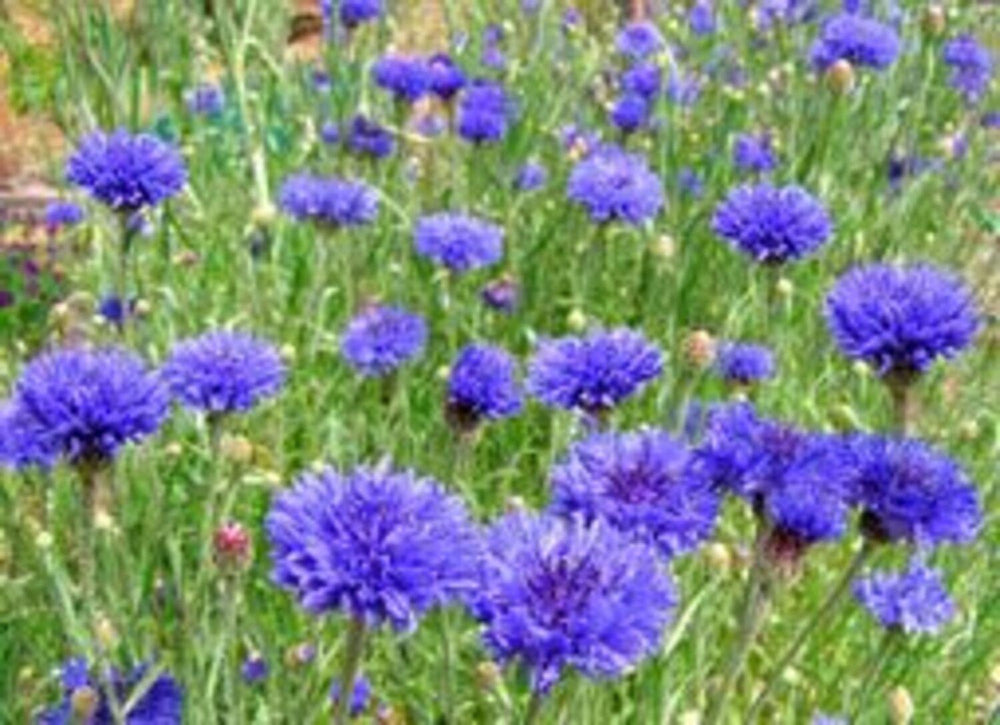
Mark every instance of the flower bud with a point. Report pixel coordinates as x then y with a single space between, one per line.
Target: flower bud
969 430
784 287
840 77
934 20
43 540
300 655
142 308
699 348
577 319
515 504
105 632
174 449
664 247
186 258
288 353
719 557
263 214
236 449
488 675
232 545
900 706
689 717
83 703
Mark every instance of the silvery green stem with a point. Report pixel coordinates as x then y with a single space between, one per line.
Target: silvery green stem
353 651
534 708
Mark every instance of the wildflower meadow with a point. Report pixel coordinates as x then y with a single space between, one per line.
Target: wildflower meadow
502 361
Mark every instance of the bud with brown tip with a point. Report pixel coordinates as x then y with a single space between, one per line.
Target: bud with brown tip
840 77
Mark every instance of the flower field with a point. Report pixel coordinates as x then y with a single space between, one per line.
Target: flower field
508 361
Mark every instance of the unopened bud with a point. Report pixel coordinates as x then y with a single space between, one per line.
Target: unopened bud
142 308
442 372
784 287
236 449
186 258
969 430
105 632
900 706
699 348
488 675
83 703
840 77
576 319
689 717
231 543
934 20
288 353
174 449
264 214
43 540
515 504
664 247
719 557
300 655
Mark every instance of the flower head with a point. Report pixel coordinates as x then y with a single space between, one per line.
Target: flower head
630 113
501 294
359 698
407 78
458 241
160 702
366 137
556 594
914 600
592 373
380 545
352 13
223 372
614 185
382 338
126 172
701 18
643 79
483 386
900 319
20 447
531 176
447 79
743 363
254 669
62 214
328 200
772 225
639 39
484 112
206 99
646 484
972 66
910 492
858 39
754 153
84 405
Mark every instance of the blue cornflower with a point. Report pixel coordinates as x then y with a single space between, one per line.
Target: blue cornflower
116 310
206 99
447 79
379 545
328 201
772 225
754 153
800 481
914 600
160 702
643 79
910 492
531 176
407 78
855 38
787 12
614 185
701 18
743 363
359 698
329 132
557 594
683 88
630 113
900 319
352 13
20 448
368 138
575 138
972 66
482 386
592 373
254 669
382 338
62 214
223 372
690 182
639 39
646 484
458 241
126 172
501 294
484 111
84 405
823 719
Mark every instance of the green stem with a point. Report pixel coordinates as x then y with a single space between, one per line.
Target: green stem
903 403
534 708
873 671
820 616
756 600
353 651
